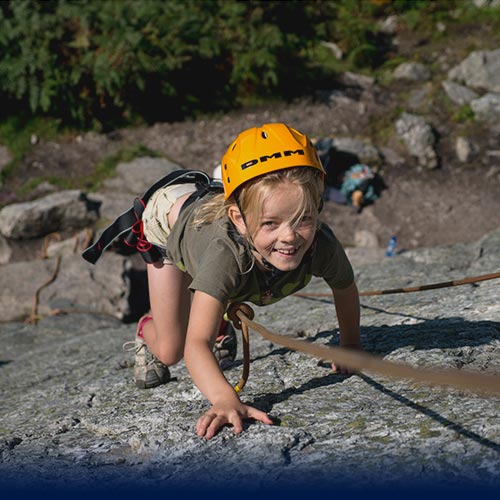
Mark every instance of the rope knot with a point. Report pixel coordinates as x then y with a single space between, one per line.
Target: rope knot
232 313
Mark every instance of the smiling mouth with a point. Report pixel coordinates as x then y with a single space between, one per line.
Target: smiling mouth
288 252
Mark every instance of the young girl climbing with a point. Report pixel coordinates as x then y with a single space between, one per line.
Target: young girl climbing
258 241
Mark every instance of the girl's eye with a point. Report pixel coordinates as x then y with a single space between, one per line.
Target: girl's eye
269 223
306 220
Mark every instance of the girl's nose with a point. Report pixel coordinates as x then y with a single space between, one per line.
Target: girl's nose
287 233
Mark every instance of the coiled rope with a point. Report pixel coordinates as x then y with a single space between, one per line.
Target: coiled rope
242 315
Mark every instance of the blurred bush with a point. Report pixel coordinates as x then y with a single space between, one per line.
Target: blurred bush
101 64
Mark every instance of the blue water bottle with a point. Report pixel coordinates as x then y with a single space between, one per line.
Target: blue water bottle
391 247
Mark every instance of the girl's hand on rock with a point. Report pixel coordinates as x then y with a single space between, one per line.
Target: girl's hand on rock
223 414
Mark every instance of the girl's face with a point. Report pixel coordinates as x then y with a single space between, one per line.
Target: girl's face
277 237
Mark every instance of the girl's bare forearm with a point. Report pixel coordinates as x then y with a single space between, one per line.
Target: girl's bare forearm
206 373
348 315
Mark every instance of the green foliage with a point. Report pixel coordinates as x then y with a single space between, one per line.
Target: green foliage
98 64
102 64
424 14
463 115
354 30
16 132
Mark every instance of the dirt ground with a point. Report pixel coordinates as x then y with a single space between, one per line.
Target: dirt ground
426 210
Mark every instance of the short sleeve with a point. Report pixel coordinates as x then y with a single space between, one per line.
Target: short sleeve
219 272
330 261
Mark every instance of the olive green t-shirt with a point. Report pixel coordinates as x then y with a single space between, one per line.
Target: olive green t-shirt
220 265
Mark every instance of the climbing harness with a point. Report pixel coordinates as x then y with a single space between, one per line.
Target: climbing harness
242 315
360 361
128 230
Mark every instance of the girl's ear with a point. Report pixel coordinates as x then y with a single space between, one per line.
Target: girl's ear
237 219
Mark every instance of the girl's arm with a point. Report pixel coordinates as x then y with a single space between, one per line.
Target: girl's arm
204 321
348 316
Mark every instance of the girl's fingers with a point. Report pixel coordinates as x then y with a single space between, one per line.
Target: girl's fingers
214 426
203 423
341 371
201 426
260 416
236 423
209 423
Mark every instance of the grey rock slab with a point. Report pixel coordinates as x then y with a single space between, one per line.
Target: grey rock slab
480 69
77 285
412 71
18 283
5 251
487 107
458 93
102 288
55 212
71 414
114 203
139 174
419 138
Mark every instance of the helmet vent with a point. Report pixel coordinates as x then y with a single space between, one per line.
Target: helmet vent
264 135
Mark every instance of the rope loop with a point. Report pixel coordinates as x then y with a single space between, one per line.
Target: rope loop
236 312
233 316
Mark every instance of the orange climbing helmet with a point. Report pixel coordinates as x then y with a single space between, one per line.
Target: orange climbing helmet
261 150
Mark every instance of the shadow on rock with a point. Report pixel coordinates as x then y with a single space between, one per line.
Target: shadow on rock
139 295
443 333
420 334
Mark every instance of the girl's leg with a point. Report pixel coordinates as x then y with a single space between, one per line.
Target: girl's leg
170 301
161 335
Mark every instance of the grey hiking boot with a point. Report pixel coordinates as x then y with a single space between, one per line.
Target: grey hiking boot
149 371
225 345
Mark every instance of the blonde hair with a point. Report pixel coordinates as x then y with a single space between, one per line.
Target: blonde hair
252 194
